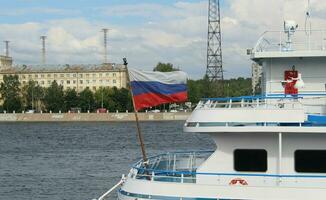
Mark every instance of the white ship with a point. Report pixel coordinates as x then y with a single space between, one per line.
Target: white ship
267 147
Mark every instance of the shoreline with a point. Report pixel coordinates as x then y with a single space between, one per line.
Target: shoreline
91 117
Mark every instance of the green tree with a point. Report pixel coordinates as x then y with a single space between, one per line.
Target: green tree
33 95
86 100
123 99
71 99
54 98
11 94
164 67
103 98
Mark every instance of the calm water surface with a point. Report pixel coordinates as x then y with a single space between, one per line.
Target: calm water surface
79 160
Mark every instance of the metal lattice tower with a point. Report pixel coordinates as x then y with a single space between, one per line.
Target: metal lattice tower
214 45
105 37
43 38
6 48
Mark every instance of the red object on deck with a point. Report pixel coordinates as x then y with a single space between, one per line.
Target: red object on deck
289 87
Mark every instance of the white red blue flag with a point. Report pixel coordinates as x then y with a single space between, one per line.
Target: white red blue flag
154 88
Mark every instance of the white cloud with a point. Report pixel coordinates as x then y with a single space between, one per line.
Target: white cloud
166 33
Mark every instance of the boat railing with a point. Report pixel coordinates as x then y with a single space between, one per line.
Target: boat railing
250 102
143 172
301 40
161 166
261 102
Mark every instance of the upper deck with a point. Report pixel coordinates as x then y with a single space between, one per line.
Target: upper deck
259 114
303 43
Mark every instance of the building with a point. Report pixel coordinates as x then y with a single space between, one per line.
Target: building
76 77
5 62
256 76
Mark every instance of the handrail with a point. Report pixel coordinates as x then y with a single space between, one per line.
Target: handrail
172 153
229 174
277 40
112 189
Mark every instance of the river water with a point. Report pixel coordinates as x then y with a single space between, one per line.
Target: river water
68 161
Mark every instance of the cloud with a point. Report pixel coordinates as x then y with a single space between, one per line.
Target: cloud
38 10
150 33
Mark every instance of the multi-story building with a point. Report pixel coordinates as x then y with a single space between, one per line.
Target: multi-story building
72 77
5 62
256 76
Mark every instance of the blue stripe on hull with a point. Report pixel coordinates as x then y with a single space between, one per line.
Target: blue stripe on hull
143 196
139 87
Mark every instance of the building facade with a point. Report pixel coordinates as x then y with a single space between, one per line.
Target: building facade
256 75
75 77
5 62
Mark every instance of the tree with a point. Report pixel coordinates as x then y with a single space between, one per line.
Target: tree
165 67
11 94
54 98
123 100
71 99
86 100
32 95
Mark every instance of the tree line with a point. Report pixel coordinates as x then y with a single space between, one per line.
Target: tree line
204 88
55 98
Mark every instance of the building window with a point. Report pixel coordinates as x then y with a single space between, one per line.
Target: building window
94 81
94 88
114 74
36 76
80 75
68 82
42 82
310 161
49 75
68 75
61 82
74 81
30 76
62 75
114 81
55 75
81 81
23 76
87 81
87 75
49 82
101 81
42 75
250 160
74 75
94 75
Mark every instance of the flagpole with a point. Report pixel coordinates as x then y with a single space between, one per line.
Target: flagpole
140 136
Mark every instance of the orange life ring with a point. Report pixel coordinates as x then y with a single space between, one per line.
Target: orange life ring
238 181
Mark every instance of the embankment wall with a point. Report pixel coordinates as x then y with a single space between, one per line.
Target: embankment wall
91 117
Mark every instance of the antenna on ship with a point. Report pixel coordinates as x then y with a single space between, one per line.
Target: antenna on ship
307 20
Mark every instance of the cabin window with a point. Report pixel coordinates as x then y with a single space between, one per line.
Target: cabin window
250 160
310 161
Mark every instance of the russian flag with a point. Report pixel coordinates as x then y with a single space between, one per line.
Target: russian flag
154 88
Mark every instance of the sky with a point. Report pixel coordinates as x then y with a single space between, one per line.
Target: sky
144 31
